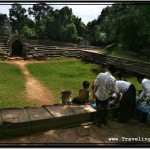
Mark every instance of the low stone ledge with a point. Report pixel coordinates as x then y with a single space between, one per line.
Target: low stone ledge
63 115
15 121
41 119
21 121
90 112
80 114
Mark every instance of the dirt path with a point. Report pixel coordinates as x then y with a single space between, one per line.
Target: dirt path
34 89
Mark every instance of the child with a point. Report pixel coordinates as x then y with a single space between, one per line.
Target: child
83 96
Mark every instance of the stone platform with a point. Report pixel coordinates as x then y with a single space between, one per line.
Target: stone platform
67 125
115 134
21 121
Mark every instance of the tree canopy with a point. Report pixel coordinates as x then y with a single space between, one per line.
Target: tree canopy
123 23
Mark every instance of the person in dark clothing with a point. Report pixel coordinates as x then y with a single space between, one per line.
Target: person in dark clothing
127 105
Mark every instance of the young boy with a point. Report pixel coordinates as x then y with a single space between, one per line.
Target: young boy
83 96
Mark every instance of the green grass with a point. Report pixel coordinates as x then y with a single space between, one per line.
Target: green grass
12 86
118 51
56 75
67 74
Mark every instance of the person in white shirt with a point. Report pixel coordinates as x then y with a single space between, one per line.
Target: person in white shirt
103 85
128 100
145 87
144 106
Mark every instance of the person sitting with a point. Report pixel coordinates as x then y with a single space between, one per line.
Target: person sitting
83 96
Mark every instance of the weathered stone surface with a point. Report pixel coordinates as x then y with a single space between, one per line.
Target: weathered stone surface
38 113
15 122
63 115
88 108
83 131
41 119
60 110
90 112
96 137
81 115
15 115
77 109
69 136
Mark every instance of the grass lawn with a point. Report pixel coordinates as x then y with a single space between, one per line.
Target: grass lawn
56 75
67 74
12 86
64 74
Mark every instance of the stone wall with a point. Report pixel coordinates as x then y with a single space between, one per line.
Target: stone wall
21 121
42 52
45 52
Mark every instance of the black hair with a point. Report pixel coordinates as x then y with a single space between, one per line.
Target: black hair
119 75
140 76
86 84
112 69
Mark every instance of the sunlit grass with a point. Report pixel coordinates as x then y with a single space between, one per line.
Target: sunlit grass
68 74
12 86
56 75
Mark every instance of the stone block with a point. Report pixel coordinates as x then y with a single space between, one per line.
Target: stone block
60 110
63 115
81 114
16 121
77 109
41 119
90 112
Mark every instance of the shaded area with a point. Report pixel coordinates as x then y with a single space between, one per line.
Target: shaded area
17 48
115 134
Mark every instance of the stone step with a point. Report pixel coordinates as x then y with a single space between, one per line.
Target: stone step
21 121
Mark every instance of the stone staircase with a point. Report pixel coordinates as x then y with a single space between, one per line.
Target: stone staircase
4 49
45 52
41 52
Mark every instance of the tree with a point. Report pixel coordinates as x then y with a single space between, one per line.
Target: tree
64 26
41 11
17 16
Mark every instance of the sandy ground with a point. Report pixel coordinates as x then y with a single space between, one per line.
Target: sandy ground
35 91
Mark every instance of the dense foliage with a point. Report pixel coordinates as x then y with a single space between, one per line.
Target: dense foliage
125 24
57 25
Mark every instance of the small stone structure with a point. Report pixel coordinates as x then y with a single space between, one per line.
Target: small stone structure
10 45
16 45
